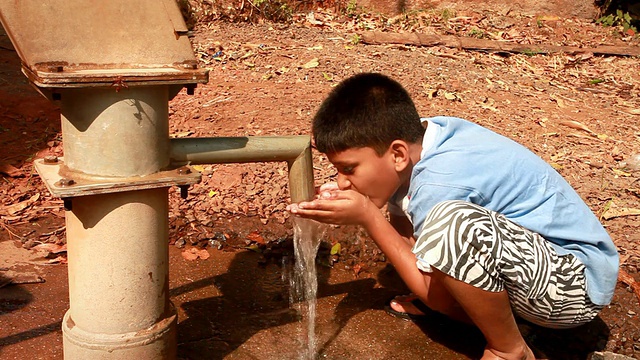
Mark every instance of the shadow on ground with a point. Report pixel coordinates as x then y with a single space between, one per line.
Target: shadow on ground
248 315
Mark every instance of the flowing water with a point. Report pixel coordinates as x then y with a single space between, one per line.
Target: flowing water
304 282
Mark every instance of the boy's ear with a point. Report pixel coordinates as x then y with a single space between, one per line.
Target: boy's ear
399 151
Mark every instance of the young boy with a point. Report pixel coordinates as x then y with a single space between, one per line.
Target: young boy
481 229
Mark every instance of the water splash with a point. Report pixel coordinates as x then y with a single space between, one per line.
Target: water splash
304 282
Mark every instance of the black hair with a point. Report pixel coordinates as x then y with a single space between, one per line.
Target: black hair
366 110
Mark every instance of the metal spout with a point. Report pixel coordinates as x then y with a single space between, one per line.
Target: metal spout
295 150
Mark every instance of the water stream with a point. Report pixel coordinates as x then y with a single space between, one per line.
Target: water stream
304 282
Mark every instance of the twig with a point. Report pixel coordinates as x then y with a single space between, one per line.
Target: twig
54 232
445 55
11 233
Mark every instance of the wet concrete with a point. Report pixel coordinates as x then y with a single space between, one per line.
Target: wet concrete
235 306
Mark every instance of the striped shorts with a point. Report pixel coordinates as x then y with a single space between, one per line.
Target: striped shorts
483 248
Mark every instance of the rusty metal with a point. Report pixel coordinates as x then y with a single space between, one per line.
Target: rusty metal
295 150
85 185
184 170
50 159
143 41
64 182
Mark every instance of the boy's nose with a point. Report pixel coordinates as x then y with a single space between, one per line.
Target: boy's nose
343 182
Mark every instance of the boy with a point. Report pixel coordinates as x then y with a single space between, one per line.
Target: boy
481 229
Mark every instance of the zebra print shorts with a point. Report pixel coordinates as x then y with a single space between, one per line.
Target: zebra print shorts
483 248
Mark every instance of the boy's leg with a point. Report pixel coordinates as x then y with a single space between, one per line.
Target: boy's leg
490 265
491 313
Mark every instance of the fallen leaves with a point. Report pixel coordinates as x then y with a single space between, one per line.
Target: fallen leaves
335 249
612 210
16 209
10 170
51 248
577 125
255 236
311 64
624 277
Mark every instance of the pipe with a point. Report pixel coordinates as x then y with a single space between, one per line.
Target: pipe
295 150
119 305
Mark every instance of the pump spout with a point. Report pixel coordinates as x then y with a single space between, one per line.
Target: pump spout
295 150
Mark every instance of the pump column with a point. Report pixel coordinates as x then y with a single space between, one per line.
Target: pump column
117 242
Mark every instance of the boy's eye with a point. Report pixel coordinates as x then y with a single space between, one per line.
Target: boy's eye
347 170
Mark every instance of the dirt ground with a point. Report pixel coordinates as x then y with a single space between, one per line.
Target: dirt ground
578 112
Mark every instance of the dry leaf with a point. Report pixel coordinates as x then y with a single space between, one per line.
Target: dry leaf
335 249
542 122
621 173
431 93
624 277
612 211
356 269
255 237
556 166
576 125
312 19
311 64
58 260
50 247
559 101
182 134
19 207
10 170
548 18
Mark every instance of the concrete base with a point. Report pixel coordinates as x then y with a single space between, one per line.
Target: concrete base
157 342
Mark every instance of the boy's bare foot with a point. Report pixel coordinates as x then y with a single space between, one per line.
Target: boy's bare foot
492 354
405 304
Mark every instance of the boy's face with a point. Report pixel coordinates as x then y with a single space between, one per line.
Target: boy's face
362 170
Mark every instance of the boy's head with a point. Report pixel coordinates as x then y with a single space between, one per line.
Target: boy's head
370 130
366 110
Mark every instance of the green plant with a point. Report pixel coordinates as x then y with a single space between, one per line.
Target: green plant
447 14
355 39
476 33
352 6
530 52
274 10
620 18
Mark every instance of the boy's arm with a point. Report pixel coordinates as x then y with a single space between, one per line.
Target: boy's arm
404 227
395 239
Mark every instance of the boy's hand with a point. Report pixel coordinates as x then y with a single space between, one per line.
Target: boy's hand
326 190
334 206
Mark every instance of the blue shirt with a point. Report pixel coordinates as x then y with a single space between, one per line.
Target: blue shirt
464 161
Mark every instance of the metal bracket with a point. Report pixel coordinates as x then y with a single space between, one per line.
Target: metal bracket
82 185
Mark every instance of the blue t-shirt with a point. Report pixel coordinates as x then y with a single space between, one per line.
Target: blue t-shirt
464 161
